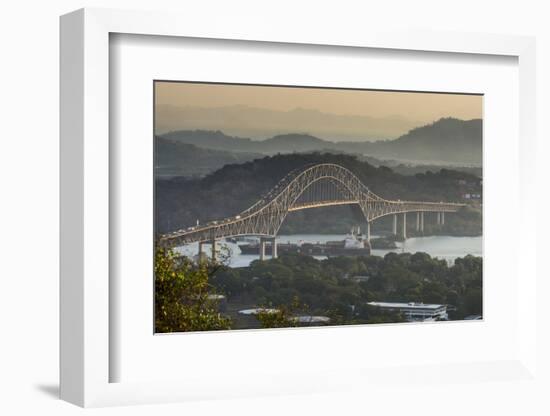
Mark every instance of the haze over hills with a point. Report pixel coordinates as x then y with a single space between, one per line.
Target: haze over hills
447 140
183 159
260 123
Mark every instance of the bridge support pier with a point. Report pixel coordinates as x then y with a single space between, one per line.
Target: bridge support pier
438 218
273 242
422 221
262 249
368 231
394 229
201 249
443 218
404 226
418 221
213 242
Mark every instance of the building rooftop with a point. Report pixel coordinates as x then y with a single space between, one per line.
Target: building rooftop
256 311
311 319
403 305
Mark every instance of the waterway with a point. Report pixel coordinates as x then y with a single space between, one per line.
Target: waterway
444 247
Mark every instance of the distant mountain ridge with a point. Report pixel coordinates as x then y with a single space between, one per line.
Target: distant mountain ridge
262 123
215 140
173 158
446 140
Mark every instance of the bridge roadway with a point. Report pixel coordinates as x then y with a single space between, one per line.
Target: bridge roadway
313 186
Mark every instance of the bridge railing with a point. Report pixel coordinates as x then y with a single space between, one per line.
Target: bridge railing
266 216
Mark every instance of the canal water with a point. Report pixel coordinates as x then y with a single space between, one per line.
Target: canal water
444 247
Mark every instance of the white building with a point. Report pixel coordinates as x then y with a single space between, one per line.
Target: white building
256 311
415 311
311 320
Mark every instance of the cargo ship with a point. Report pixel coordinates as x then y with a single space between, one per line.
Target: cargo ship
354 244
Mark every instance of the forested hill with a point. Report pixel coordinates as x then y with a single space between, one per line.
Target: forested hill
183 159
233 188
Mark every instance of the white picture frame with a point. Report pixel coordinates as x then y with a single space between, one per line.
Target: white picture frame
86 355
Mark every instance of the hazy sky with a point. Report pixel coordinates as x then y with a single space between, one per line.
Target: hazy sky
412 109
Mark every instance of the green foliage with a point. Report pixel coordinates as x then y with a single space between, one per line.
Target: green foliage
340 287
275 319
182 296
382 317
280 317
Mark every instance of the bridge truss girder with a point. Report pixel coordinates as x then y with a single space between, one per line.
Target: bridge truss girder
266 216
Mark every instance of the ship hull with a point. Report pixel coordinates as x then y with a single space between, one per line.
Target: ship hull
306 249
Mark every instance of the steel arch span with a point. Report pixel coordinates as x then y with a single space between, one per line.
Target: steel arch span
312 186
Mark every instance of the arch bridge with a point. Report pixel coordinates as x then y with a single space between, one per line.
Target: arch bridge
312 186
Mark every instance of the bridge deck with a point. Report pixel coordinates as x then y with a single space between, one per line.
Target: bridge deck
266 216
